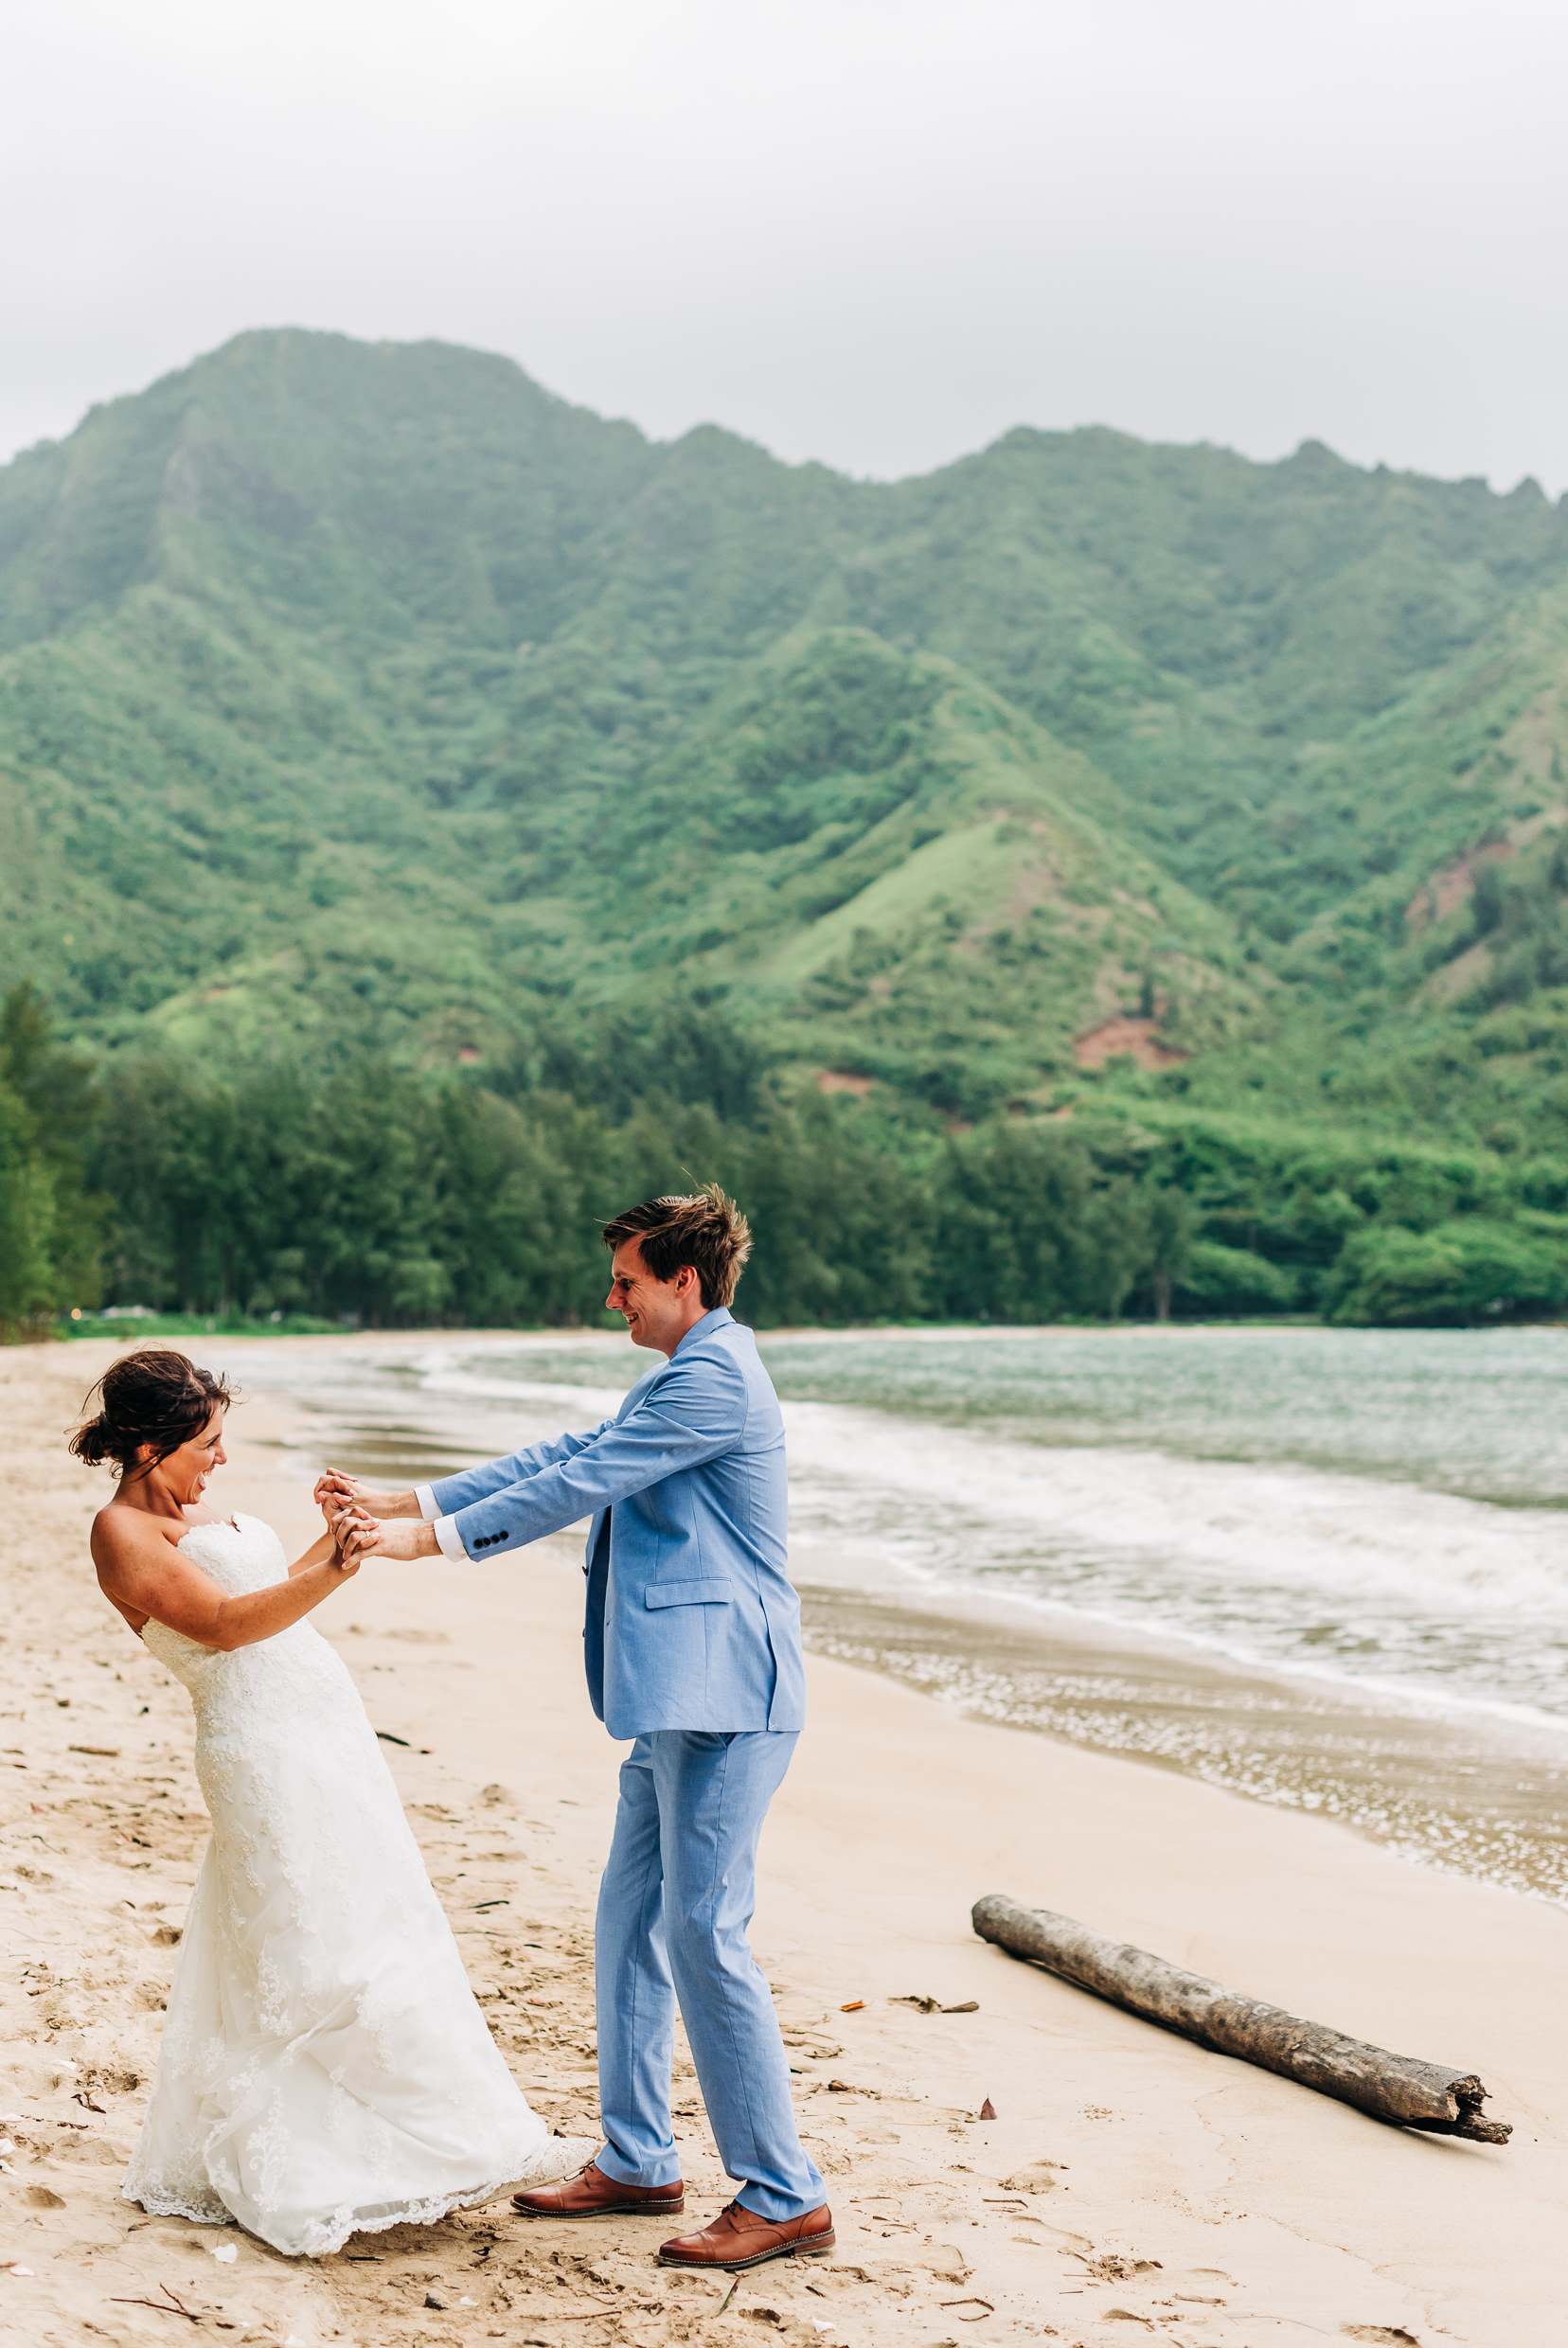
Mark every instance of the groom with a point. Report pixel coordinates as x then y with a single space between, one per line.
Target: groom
692 1645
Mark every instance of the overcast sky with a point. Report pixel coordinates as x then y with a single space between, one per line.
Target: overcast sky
877 231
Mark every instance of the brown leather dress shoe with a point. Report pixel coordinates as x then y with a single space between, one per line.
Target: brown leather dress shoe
738 2237
591 2194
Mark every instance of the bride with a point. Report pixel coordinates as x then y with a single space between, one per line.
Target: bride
325 2070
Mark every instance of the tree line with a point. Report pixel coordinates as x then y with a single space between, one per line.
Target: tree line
380 1198
376 1195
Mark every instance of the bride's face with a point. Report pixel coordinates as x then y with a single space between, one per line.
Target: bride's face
185 1473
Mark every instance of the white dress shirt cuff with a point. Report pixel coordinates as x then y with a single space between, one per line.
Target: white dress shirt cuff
425 1495
449 1540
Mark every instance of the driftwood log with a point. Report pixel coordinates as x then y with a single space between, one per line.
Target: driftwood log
1390 2087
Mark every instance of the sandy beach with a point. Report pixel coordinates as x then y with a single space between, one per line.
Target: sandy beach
1129 2180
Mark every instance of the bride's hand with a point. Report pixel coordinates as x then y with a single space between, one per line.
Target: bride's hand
350 1527
340 1515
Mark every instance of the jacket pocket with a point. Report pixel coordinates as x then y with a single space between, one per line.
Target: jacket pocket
713 1592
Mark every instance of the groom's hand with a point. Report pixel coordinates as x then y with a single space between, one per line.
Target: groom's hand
335 1491
363 1536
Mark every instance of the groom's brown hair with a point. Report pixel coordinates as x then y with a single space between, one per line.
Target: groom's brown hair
707 1230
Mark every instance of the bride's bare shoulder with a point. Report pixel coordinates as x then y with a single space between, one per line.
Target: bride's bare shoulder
118 1531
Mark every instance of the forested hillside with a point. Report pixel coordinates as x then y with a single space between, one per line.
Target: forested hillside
372 720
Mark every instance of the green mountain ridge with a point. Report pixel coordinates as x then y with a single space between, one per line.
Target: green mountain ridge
366 698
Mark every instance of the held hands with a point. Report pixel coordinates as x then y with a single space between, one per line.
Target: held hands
343 1560
335 1491
366 1523
341 1522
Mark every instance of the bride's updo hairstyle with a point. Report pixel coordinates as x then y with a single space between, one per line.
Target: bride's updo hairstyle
153 1395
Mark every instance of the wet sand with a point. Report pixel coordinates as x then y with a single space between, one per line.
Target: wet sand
1486 1798
1129 2178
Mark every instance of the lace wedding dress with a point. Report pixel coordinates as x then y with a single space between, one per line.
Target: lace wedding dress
325 2070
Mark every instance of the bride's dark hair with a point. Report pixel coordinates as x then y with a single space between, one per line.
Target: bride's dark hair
153 1395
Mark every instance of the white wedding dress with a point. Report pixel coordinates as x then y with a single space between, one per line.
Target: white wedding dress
325 2070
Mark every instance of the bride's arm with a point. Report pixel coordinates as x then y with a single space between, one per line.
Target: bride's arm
319 1552
139 1568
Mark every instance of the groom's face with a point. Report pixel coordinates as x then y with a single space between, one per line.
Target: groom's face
655 1311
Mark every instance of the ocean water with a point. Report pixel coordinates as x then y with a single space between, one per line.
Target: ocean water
1328 1569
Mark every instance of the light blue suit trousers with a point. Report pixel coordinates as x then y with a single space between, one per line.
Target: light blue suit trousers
674 1904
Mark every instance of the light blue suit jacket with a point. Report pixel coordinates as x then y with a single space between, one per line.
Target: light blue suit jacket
692 1622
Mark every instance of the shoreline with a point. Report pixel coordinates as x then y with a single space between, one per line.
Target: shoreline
1272 2214
1441 1777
